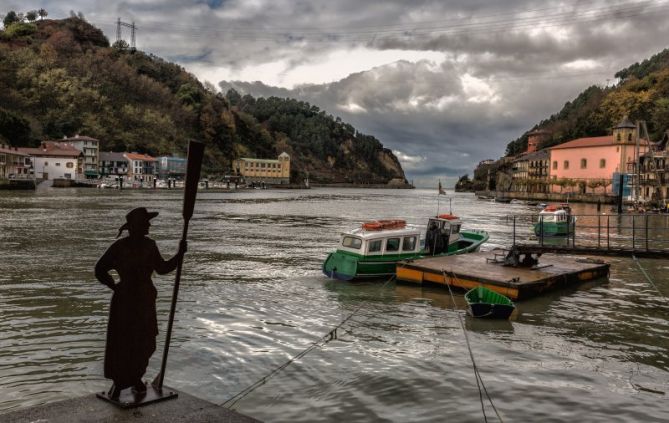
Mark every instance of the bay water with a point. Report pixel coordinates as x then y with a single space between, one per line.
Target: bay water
253 297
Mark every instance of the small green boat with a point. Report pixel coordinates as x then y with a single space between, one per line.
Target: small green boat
483 302
373 250
555 220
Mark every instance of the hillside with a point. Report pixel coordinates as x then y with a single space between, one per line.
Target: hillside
642 93
61 78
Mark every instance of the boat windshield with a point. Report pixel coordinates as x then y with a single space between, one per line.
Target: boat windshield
352 242
409 243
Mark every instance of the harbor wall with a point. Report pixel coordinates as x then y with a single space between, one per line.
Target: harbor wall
551 197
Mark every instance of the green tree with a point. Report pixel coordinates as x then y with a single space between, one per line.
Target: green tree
121 45
10 18
42 13
31 16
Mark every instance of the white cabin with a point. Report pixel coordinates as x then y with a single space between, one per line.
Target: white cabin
406 240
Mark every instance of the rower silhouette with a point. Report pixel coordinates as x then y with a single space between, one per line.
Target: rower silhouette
132 327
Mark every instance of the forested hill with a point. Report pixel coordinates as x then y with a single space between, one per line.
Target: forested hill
62 78
642 93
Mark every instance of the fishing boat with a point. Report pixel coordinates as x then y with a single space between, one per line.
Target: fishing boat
555 220
373 250
485 303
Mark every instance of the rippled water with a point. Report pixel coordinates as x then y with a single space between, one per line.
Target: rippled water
253 296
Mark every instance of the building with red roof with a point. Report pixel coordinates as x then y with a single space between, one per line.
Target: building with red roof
13 163
53 160
596 158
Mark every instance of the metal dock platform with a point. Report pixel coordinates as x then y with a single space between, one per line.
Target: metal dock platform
467 271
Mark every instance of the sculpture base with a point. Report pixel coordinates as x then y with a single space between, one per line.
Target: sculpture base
128 399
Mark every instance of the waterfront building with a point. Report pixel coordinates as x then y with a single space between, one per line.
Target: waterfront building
54 160
536 138
264 170
90 147
654 173
585 160
14 164
171 167
538 171
141 168
519 173
113 164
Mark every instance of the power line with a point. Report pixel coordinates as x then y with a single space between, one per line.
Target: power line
506 25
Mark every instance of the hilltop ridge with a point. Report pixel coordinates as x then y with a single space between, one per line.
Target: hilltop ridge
62 77
642 93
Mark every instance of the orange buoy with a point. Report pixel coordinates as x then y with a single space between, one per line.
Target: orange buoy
379 225
447 216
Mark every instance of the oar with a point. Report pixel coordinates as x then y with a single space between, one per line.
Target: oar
195 152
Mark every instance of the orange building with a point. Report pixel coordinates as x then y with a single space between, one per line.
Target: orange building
595 158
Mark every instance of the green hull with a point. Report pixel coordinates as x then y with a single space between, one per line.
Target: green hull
554 228
345 265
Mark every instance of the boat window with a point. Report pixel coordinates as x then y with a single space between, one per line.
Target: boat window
375 246
409 243
455 229
352 242
392 244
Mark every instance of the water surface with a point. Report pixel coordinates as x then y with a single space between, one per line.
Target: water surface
252 297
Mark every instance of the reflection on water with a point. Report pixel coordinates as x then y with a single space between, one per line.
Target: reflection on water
253 296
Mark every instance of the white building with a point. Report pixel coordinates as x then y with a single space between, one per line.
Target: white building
54 160
90 147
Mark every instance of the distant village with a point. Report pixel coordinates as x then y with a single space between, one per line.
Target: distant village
591 169
78 161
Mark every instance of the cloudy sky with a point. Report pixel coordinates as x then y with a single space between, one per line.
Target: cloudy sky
444 84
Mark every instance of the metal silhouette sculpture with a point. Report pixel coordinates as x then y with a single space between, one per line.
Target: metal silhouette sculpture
133 327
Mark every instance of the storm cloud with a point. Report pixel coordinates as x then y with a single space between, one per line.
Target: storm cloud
443 84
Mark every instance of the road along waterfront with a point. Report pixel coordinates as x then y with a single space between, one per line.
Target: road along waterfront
253 296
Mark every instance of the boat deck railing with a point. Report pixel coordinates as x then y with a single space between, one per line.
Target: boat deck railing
644 235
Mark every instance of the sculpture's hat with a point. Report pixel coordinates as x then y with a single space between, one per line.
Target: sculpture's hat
136 216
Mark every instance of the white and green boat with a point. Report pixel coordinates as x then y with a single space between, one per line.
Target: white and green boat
373 250
555 220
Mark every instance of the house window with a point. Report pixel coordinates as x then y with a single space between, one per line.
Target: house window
584 163
602 163
629 137
618 138
392 244
565 165
554 164
57 164
46 163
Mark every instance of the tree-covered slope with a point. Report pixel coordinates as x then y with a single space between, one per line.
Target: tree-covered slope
61 78
642 93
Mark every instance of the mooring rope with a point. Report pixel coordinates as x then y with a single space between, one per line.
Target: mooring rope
650 281
477 374
332 334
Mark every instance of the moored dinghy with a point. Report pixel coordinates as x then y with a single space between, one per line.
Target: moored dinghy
373 250
486 303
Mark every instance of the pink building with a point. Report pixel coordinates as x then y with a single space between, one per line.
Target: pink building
595 158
